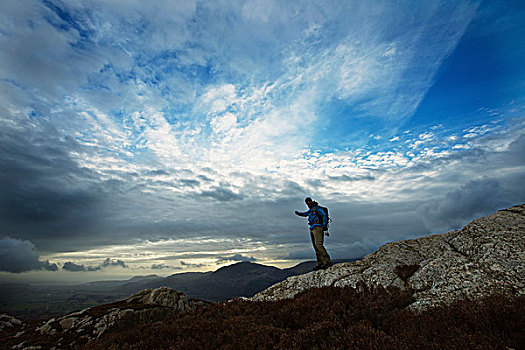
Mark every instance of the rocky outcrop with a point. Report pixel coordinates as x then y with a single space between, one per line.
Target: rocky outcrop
146 306
7 321
487 256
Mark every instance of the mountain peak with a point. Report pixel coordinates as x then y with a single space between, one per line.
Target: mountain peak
244 267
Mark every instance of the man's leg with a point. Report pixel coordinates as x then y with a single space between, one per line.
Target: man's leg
323 259
317 253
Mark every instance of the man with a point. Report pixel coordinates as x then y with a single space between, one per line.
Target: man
318 222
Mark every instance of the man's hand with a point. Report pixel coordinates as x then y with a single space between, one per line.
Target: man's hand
297 213
327 234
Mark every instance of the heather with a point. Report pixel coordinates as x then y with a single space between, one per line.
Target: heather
335 318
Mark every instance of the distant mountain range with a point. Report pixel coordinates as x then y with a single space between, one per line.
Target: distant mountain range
241 279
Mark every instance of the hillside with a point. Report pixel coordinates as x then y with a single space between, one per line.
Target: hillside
486 257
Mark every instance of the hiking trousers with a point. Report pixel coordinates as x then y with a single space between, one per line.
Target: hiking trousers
317 235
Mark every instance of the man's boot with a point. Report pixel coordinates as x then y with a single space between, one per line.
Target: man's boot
327 265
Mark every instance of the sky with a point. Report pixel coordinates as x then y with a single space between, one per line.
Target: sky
173 136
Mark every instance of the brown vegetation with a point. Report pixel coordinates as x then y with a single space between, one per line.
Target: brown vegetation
404 272
335 318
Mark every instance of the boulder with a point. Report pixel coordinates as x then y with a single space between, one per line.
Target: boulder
162 296
7 321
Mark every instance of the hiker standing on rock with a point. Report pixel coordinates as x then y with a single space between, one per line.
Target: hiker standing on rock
318 222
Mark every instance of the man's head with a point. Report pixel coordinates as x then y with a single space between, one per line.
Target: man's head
309 202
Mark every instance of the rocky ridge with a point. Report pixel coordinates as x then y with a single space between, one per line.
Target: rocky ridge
485 257
80 327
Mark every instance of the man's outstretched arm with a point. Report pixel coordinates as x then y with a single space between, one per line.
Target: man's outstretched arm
301 214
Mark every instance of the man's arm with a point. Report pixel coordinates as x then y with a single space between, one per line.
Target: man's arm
302 214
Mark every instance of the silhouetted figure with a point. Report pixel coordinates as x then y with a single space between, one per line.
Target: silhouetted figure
318 222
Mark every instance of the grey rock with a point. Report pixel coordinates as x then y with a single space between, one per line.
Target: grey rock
487 256
7 321
68 323
18 346
84 322
47 328
162 296
143 307
83 326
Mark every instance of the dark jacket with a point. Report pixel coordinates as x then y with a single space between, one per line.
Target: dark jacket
316 216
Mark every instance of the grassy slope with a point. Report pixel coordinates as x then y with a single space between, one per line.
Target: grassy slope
335 318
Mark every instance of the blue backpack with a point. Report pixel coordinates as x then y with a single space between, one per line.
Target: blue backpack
320 219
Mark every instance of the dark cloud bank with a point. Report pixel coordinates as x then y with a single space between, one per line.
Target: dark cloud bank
475 198
20 256
43 192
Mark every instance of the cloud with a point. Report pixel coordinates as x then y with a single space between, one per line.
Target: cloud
164 267
218 99
300 254
113 263
46 265
17 255
221 194
108 263
71 266
189 183
192 266
235 257
349 178
473 199
43 191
